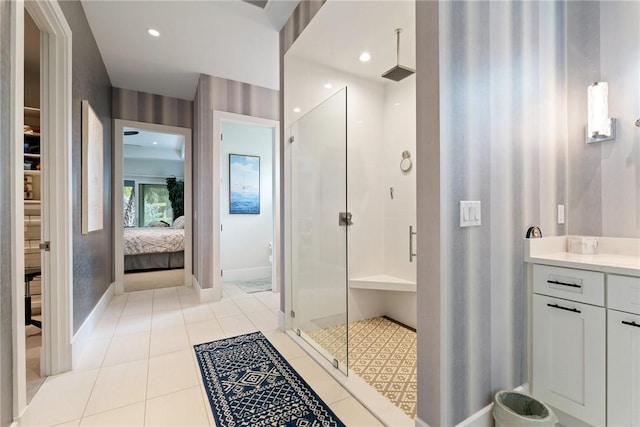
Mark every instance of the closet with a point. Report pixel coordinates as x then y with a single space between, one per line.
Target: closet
32 212
32 171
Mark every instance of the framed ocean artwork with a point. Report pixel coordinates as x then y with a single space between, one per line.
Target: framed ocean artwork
244 184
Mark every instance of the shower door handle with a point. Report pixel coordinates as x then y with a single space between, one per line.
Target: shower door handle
345 218
411 234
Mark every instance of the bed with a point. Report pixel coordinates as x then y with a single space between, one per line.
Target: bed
153 248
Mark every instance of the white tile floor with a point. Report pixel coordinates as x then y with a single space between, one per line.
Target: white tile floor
140 368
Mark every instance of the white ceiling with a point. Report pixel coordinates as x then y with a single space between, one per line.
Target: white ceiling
153 145
231 39
343 29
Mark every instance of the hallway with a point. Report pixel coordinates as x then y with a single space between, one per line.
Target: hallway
139 367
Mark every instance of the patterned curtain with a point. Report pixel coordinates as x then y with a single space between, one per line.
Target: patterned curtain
130 209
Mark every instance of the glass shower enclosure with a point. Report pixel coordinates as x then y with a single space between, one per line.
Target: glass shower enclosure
320 218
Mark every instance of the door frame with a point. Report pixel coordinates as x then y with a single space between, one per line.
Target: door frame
118 178
56 120
218 118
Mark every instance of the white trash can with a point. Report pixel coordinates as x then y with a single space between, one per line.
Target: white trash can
511 409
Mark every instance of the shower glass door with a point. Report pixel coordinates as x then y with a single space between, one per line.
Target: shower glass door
318 234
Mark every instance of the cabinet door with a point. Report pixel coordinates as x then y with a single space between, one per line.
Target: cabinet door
623 402
569 357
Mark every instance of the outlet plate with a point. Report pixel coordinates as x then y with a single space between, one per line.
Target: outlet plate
470 213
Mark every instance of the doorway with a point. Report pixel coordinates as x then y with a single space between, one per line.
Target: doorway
152 206
247 207
248 191
33 209
55 185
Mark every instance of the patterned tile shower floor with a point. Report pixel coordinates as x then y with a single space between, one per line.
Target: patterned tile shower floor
381 352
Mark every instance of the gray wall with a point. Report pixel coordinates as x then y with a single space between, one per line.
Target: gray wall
513 78
504 142
6 319
584 172
93 252
604 178
219 94
620 160
149 108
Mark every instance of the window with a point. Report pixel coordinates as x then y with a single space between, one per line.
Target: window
155 204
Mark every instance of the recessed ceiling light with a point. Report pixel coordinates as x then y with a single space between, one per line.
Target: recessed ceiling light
397 104
365 57
153 32
328 85
296 110
155 142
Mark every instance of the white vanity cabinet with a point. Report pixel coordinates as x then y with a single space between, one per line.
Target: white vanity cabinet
623 351
584 330
569 341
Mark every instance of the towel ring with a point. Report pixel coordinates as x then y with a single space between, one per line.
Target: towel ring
406 164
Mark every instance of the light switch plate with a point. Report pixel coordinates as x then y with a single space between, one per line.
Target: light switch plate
470 213
560 214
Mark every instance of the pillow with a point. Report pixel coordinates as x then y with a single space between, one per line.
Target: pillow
179 222
158 224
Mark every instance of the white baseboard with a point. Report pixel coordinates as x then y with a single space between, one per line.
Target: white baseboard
80 339
188 280
208 294
247 273
420 423
119 287
484 417
565 419
281 321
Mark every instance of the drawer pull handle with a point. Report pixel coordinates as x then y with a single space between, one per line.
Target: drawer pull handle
555 282
574 310
637 325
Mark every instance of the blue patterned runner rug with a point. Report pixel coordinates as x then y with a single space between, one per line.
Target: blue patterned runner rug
250 384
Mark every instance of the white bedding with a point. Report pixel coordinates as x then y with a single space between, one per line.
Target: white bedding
153 240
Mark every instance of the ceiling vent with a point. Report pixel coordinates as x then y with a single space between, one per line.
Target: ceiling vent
260 3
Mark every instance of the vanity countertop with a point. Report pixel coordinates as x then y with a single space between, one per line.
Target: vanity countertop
616 255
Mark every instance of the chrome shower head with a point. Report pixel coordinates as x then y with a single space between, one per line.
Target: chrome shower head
398 72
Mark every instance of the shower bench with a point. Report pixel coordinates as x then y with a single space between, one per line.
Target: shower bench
383 282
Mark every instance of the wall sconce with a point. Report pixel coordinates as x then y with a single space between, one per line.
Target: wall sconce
600 127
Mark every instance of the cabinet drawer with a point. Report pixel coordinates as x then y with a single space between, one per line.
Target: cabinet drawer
623 293
567 283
